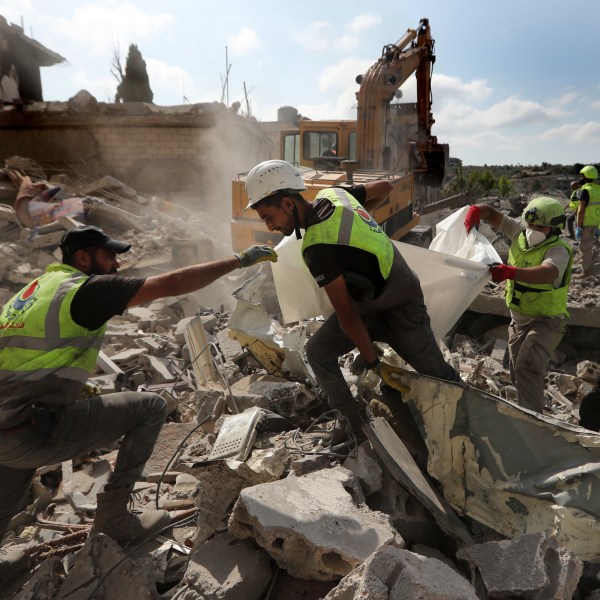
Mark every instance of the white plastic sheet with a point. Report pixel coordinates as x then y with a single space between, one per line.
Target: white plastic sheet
298 294
452 238
449 284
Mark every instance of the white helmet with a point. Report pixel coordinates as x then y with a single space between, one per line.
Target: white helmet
272 176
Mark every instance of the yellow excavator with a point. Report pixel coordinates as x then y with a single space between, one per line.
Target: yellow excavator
388 140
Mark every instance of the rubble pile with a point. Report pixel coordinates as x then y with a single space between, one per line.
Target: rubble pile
272 495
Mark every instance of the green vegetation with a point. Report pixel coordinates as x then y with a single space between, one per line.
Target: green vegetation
134 85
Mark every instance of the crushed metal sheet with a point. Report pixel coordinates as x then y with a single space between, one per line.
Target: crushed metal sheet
512 469
405 470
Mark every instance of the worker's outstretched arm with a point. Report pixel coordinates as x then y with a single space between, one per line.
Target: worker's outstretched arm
351 322
195 277
482 212
376 192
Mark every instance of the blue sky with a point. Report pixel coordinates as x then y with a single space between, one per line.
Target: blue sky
514 82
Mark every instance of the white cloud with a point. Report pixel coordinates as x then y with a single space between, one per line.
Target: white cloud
447 86
13 10
102 27
514 111
346 42
315 37
574 133
342 74
242 42
169 82
362 22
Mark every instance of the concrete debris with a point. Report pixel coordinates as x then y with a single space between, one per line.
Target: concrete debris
316 526
271 493
530 566
396 573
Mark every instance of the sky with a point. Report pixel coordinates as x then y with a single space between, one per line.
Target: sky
515 83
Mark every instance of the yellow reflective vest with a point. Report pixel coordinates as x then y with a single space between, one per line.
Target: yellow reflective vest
350 225
537 299
592 209
38 337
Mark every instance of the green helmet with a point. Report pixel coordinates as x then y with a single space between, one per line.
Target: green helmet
589 172
545 211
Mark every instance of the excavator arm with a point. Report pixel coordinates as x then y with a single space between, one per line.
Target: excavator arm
379 140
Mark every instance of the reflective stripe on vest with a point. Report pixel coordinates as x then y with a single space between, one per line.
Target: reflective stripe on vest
350 225
38 338
537 299
592 209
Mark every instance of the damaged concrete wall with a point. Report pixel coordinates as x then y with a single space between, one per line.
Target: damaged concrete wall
199 148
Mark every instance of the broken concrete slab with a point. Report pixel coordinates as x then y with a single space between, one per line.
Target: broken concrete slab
226 568
316 526
530 566
366 469
101 566
220 485
396 573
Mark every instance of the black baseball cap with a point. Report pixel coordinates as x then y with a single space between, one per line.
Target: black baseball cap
88 236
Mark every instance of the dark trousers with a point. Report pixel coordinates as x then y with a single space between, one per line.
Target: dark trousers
77 429
406 329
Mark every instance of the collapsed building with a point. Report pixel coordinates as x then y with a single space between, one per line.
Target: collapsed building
456 493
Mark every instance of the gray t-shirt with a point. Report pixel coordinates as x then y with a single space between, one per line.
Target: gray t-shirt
557 256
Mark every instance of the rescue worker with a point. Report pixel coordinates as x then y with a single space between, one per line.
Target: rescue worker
573 205
537 280
50 336
588 218
374 293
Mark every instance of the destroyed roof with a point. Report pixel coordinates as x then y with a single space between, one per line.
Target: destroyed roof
42 56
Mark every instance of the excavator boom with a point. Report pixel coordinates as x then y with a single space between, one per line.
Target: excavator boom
382 139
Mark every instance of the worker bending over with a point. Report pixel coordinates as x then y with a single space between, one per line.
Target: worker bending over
374 293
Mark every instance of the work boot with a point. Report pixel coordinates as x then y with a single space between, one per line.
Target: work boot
583 275
115 520
13 562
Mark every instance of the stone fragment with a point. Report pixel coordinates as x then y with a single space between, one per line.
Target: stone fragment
227 569
530 566
392 573
315 527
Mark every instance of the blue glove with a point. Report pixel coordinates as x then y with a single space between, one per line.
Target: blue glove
597 233
578 231
255 254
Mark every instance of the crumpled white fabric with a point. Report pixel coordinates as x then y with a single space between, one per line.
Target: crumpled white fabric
452 238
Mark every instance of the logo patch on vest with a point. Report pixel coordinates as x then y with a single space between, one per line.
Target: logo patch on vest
23 302
368 219
26 297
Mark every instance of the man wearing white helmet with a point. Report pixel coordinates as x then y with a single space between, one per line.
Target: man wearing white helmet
537 281
588 217
376 296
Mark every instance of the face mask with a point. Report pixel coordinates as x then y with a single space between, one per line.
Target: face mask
534 237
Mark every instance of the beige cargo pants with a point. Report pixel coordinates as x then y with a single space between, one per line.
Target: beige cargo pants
530 349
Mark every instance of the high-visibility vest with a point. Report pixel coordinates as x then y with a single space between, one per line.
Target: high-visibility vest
350 225
38 337
592 209
537 299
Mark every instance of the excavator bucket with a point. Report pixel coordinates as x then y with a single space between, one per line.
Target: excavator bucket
432 168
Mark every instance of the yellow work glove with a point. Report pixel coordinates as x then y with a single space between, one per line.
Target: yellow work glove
384 371
91 390
255 254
